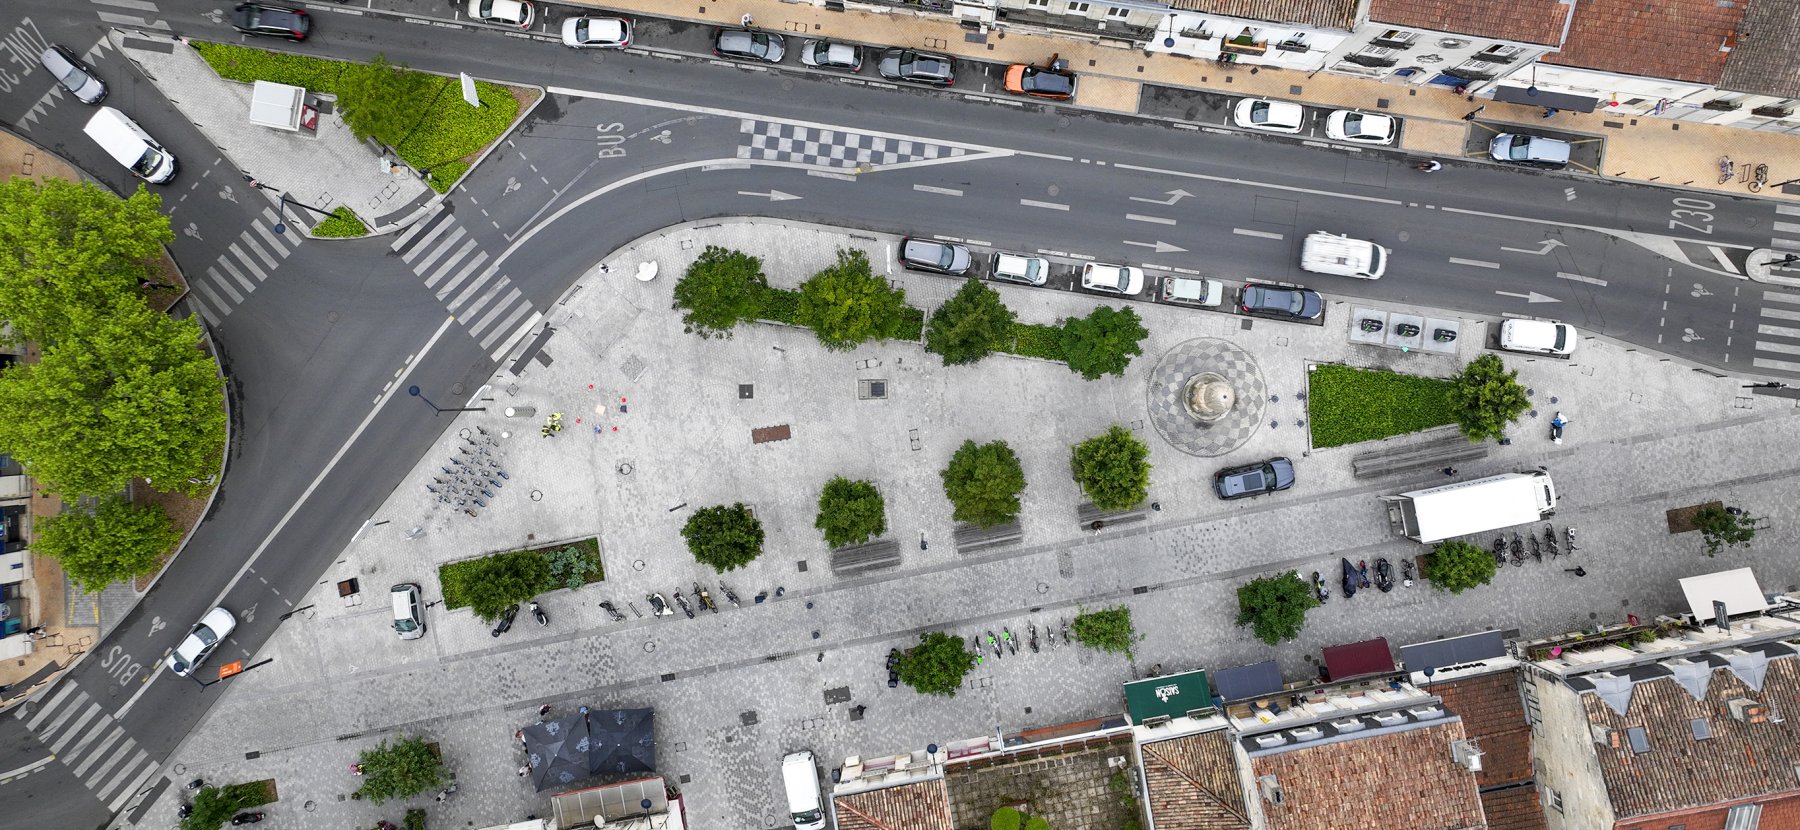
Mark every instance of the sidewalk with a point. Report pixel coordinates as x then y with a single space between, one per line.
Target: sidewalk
1645 150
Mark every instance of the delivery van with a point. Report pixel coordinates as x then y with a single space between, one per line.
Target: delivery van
800 777
1538 337
1339 255
129 145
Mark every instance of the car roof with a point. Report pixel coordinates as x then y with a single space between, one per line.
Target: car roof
1039 79
605 28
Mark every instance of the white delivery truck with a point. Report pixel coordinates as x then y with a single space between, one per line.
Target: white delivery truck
1339 255
800 780
1468 507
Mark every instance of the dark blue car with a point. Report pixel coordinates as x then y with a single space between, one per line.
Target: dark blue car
1254 479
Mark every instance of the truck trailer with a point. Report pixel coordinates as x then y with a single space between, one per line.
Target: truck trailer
1469 507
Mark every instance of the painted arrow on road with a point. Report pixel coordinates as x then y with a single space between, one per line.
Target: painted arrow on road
1160 246
1549 245
1174 196
1533 297
773 195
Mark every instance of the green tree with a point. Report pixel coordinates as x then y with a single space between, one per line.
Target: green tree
1037 823
1102 342
114 542
67 247
383 101
727 537
1486 398
1275 606
1113 468
400 770
213 806
1109 629
983 483
847 305
131 396
1006 818
1721 528
721 289
936 665
850 512
490 584
968 325
415 819
1456 566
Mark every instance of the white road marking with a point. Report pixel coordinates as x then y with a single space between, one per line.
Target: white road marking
1474 263
1252 183
1724 263
1581 278
1786 227
1155 220
941 191
1783 365
1784 243
1781 314
1780 297
1789 210
1045 205
1257 234
1783 348
1779 331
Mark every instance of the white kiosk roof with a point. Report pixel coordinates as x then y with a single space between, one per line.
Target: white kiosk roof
276 105
1736 588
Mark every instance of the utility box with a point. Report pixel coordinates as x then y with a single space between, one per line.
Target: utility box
282 107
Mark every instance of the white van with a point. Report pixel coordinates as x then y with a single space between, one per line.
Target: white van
800 777
1538 337
128 144
1339 255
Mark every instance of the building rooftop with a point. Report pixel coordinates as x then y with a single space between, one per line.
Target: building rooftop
1403 778
1494 717
1683 40
1526 21
1764 61
921 805
1327 14
1193 783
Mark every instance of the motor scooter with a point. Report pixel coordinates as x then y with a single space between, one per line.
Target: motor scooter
659 607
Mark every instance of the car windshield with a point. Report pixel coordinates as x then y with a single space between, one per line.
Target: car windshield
1259 113
148 162
1353 125
1521 148
759 43
404 626
808 817
1030 269
205 635
1562 337
179 665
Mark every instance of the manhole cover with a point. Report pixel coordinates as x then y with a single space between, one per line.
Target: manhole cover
331 317
746 391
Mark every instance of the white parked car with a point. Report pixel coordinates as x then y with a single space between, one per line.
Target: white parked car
596 33
1360 127
1273 116
1019 268
504 12
1112 279
200 641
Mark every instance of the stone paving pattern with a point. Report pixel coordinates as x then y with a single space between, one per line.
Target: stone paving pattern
736 690
1168 397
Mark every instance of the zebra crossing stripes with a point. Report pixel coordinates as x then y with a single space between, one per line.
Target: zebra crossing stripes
492 309
246 263
91 744
1788 346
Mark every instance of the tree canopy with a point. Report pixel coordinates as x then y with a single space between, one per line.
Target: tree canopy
1456 566
850 512
983 483
402 769
726 537
213 806
1108 629
1275 606
114 542
126 394
1721 528
1487 398
936 665
66 247
489 585
1102 342
383 101
1113 468
721 289
968 325
846 305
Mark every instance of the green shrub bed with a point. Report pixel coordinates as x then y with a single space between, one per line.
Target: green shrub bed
488 584
1036 340
342 223
1346 405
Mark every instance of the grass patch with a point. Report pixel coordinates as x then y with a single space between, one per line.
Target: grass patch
548 568
1036 340
912 325
450 131
1346 405
341 224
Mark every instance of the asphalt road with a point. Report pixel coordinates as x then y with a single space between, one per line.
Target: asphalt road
314 353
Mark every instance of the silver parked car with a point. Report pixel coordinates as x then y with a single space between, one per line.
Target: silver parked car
825 54
200 641
74 75
1529 150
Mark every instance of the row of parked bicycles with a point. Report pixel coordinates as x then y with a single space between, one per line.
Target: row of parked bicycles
1521 544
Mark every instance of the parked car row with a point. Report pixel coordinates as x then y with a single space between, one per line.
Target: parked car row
1354 126
893 64
116 133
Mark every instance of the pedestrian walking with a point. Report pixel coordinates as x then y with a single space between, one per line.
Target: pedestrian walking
1474 112
1449 471
544 710
524 770
1549 112
747 21
605 269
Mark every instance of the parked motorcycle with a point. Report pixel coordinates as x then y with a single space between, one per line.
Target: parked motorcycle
1065 622
993 643
506 620
1406 572
706 600
1556 428
975 646
1572 546
1033 641
1362 573
1384 574
1319 588
1012 643
1349 579
611 611
538 612
729 596
246 818
1550 540
685 607
658 606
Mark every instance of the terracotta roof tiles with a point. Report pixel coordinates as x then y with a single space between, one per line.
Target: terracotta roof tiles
1329 786
1765 60
1676 39
1522 21
1493 715
922 805
1193 783
1334 14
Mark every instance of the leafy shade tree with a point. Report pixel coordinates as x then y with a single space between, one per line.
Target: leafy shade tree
1107 630
1486 398
1275 606
131 396
727 537
490 584
1457 566
386 102
850 512
1102 342
936 665
846 305
1721 528
721 289
67 247
115 542
1006 818
1113 468
400 770
213 806
983 483
967 326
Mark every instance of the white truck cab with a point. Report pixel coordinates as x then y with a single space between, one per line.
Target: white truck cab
129 145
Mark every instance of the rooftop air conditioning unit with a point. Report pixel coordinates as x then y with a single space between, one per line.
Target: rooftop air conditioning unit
1269 740
1271 790
1467 755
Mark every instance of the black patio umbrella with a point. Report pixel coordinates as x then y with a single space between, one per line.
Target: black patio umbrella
624 741
557 751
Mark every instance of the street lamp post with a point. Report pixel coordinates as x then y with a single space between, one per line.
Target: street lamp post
439 410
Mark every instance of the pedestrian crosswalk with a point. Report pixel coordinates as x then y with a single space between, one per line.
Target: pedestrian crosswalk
1778 323
489 304
94 748
245 264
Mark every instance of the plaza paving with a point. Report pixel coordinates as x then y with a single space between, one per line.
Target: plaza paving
657 424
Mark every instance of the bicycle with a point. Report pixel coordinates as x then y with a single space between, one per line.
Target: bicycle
1758 178
1726 169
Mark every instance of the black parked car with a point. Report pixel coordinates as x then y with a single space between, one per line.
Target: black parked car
1254 479
934 256
917 67
272 21
1292 303
506 620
